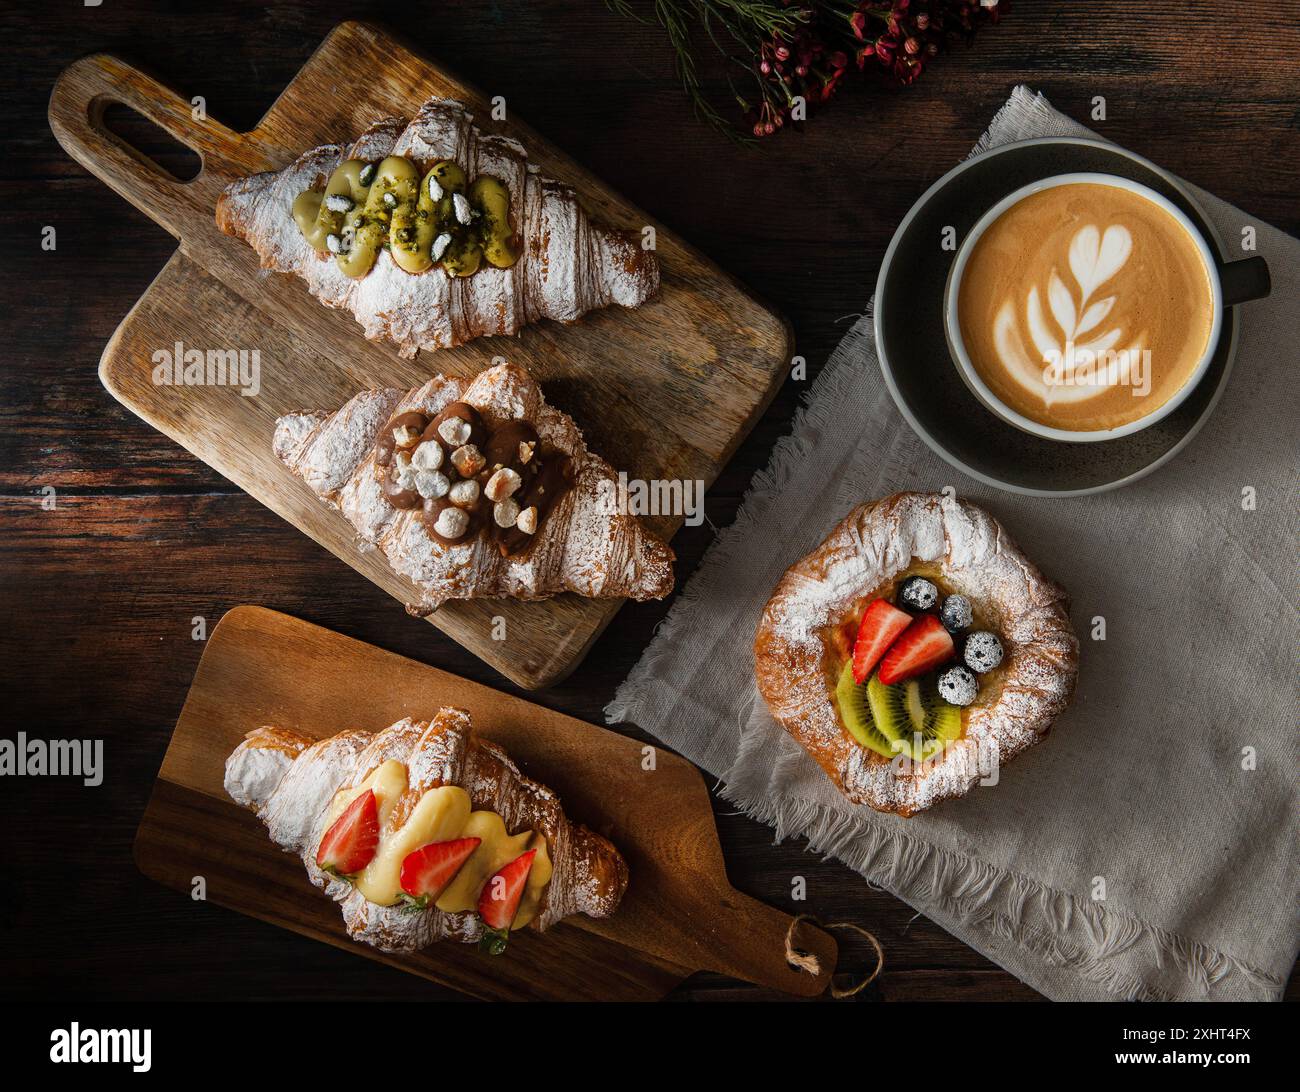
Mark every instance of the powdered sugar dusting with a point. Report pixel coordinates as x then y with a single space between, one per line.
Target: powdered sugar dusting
580 547
567 266
874 544
290 785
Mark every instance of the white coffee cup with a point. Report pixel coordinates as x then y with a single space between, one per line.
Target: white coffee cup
985 395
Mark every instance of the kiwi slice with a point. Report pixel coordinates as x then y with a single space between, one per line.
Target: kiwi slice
855 711
911 708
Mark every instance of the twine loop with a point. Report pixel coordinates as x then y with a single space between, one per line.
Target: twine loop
808 963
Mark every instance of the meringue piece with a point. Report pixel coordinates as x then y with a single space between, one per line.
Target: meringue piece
504 483
451 523
464 494
428 456
506 512
455 431
431 484
405 436
468 460
403 472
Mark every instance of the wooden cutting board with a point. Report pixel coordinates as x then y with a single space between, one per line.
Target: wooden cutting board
666 391
679 915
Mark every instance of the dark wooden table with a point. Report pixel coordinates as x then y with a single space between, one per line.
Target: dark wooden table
99 594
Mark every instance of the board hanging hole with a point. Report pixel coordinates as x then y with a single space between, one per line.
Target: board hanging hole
145 140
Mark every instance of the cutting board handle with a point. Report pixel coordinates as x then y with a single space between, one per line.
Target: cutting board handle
751 947
85 89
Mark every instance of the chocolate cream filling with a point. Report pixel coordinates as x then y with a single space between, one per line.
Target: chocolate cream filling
545 474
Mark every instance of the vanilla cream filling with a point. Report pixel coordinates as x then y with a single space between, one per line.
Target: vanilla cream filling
442 814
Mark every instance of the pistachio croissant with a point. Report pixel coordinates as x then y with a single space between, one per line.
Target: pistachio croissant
496 245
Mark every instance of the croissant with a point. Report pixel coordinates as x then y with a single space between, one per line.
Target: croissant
435 785
476 488
433 233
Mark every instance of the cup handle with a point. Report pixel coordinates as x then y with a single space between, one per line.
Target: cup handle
1245 280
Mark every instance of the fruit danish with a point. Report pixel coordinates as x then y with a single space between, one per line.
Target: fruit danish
915 651
422 832
432 233
476 488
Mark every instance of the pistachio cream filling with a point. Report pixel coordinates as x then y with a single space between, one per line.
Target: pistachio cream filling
440 218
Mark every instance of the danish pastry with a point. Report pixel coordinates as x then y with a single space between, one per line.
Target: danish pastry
476 488
423 831
915 651
432 233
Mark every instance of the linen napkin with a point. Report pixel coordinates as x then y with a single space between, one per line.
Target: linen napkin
1147 848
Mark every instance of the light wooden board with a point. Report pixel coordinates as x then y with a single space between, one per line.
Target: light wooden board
680 914
666 391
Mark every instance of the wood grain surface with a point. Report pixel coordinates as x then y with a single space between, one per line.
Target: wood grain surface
679 915
664 391
99 595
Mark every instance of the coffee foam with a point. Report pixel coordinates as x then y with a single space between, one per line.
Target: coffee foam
1085 307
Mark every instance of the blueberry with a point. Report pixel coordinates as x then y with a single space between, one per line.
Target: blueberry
957 686
918 593
955 614
983 652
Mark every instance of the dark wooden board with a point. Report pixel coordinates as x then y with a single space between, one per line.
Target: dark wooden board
665 391
679 915
98 595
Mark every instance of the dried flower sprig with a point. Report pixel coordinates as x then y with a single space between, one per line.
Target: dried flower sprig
796 53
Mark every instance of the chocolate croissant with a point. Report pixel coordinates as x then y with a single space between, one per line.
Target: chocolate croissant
432 233
437 794
476 488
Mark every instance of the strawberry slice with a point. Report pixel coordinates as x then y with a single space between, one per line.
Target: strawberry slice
499 901
429 869
880 626
350 843
923 645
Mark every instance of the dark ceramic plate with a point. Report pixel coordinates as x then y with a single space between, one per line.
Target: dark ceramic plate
920 373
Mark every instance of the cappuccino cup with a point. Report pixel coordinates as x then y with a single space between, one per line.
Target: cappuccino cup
1086 307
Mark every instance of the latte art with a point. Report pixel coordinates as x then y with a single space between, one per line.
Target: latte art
1085 306
1089 360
